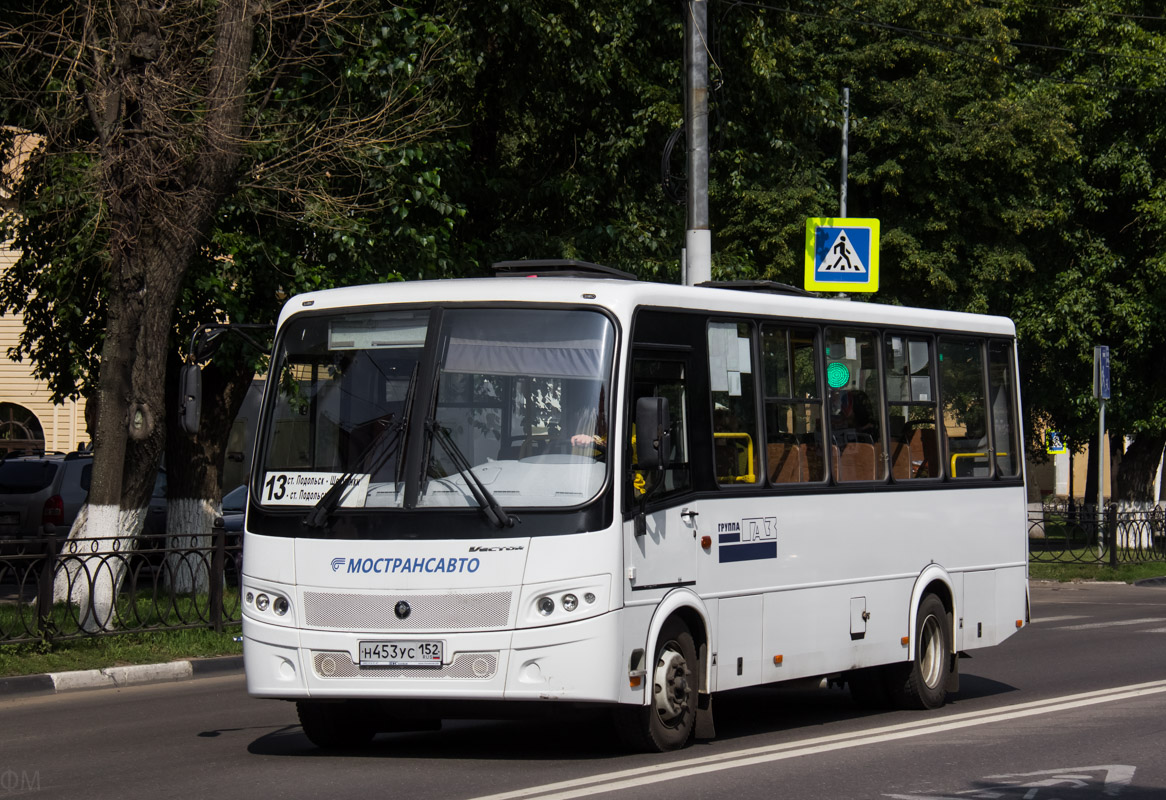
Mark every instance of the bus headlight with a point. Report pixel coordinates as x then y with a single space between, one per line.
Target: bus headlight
268 604
564 601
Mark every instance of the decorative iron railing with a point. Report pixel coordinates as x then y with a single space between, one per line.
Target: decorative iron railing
1065 534
57 588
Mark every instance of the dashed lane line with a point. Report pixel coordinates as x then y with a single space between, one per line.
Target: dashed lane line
1089 626
673 770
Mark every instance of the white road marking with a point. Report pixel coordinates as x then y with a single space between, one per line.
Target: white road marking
1094 625
1065 618
1114 777
658 773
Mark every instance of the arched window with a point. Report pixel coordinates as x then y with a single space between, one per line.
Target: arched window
20 430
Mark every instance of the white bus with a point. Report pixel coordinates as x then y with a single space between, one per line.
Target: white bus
565 487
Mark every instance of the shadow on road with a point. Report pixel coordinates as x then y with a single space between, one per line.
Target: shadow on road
785 710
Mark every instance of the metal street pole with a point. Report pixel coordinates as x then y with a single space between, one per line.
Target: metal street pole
845 148
697 237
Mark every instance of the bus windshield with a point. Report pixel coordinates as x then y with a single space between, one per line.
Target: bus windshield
517 397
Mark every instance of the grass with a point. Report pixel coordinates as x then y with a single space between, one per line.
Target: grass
1070 571
141 609
155 647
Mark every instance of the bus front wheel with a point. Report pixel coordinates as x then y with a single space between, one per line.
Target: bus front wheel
335 725
667 722
922 683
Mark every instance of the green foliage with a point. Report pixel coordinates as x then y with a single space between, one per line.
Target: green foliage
1012 151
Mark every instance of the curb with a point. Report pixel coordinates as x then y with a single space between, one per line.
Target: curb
119 677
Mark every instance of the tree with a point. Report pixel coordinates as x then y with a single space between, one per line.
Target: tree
148 119
1104 61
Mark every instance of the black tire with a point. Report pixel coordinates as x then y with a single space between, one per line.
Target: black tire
335 725
668 721
923 682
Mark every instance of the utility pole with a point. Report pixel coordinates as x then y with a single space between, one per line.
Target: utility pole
697 236
845 148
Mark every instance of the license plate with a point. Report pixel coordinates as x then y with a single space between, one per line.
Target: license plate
395 653
10 518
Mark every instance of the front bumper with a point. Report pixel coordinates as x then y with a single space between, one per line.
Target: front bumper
575 662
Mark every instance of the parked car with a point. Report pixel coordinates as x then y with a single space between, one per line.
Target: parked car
235 508
43 492
154 525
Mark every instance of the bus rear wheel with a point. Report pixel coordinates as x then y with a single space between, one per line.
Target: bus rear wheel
335 725
923 682
667 722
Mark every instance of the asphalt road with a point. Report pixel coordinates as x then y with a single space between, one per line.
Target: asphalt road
1074 706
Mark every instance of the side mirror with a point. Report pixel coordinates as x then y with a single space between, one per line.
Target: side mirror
653 437
190 400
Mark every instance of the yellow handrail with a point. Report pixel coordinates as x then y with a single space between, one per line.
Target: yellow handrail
956 456
750 476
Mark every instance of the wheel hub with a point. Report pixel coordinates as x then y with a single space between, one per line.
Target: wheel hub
670 685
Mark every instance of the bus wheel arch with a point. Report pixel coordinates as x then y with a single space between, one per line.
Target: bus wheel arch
933 580
932 671
677 703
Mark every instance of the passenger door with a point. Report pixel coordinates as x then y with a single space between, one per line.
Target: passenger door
662 529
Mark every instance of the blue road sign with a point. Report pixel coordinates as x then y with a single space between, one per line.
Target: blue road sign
842 254
1101 372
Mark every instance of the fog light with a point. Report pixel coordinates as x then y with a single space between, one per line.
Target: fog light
262 601
250 598
589 598
570 602
279 606
546 606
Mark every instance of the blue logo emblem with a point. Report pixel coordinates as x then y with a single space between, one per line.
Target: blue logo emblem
337 563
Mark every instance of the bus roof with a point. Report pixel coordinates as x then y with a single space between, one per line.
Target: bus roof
622 297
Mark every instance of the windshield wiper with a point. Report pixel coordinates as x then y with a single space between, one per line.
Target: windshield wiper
494 512
319 515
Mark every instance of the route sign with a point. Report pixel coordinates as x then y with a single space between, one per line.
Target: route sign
842 254
1101 372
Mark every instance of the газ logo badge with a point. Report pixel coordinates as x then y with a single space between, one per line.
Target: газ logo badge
337 563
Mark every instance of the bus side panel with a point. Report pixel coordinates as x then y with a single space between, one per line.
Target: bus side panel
837 570
738 642
822 630
978 611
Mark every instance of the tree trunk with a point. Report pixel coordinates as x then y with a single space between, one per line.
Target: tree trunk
160 200
129 434
1137 471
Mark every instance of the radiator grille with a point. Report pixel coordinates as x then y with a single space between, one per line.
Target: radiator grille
374 612
467 666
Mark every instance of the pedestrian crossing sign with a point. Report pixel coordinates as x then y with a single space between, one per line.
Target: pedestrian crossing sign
842 254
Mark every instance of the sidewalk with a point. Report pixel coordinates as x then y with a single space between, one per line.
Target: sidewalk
119 677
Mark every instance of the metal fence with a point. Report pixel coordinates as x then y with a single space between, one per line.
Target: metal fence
1081 535
53 588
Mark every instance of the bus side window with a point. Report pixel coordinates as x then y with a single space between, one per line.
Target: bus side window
911 406
730 356
856 435
965 424
793 405
1003 394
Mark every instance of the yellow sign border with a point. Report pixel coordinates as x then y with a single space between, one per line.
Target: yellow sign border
812 225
